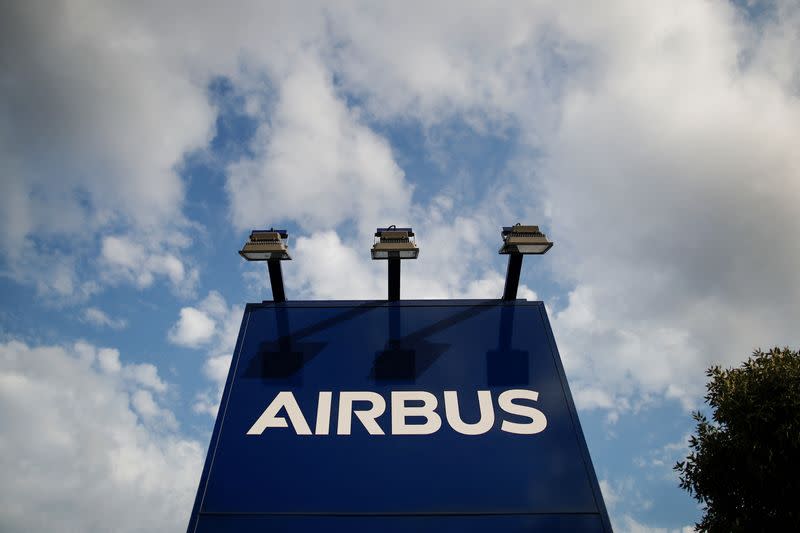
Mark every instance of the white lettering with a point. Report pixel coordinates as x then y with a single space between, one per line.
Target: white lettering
453 414
400 411
538 420
323 413
404 405
268 418
367 417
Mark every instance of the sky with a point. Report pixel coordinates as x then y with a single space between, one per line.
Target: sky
655 143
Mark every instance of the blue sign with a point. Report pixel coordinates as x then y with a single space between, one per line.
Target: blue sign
397 416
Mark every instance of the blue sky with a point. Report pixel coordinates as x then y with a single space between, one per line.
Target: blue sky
656 145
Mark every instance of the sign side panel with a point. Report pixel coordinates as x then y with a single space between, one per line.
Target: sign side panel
598 495
215 435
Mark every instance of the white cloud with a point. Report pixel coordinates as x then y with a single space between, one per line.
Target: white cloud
214 327
80 90
316 163
56 279
125 258
149 410
216 367
84 450
145 375
610 494
588 398
108 358
624 501
484 62
624 490
492 286
662 459
212 323
327 268
618 368
99 318
133 374
628 524
96 120
667 182
194 328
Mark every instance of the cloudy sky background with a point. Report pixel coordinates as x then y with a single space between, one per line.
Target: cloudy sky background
656 144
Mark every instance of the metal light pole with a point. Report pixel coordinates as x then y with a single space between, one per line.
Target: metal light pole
270 246
394 244
519 240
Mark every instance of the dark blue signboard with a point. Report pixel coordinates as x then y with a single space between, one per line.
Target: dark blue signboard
397 416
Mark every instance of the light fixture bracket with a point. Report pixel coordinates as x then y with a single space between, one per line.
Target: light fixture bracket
267 245
518 241
525 240
394 243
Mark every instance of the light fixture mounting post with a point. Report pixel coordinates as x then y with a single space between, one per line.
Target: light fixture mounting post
276 280
512 276
394 279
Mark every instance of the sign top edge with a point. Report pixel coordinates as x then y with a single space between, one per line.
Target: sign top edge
401 303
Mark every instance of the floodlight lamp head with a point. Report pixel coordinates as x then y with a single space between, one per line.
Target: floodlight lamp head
394 243
519 239
266 245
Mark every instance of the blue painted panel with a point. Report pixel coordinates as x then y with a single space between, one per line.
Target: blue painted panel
503 480
403 524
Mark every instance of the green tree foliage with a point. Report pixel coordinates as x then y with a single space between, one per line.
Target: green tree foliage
744 465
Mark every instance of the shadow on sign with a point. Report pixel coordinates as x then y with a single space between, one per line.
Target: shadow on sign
406 358
282 359
506 366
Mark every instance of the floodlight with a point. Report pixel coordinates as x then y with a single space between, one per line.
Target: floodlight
271 246
266 245
526 240
519 240
394 243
